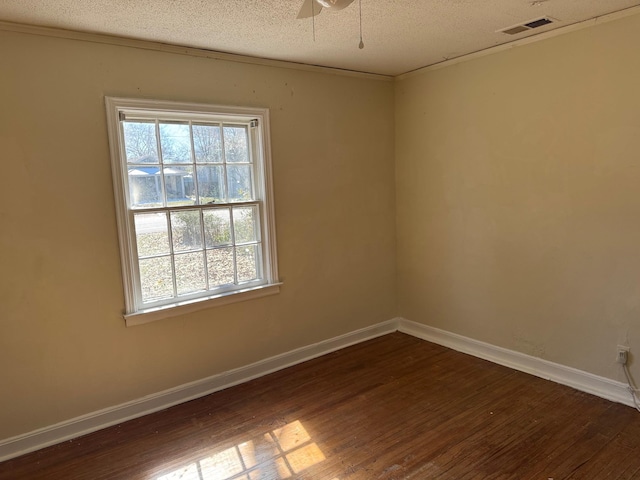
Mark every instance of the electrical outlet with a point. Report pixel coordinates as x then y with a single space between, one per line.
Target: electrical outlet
623 355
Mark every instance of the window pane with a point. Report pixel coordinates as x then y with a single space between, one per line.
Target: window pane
175 143
217 227
156 279
239 183
210 184
152 234
190 272
244 224
140 142
178 183
207 143
236 145
145 187
220 265
186 230
247 258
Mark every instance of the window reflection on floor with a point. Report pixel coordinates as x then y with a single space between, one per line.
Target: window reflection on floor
276 455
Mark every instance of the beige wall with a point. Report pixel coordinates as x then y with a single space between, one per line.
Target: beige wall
64 349
518 212
518 197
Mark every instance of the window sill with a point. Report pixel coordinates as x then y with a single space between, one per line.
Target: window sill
181 308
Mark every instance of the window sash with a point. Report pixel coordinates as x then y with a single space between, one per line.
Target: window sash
233 244
161 164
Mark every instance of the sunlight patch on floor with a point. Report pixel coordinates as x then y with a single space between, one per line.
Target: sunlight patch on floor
276 455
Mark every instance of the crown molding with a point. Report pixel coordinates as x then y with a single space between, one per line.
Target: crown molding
181 50
627 12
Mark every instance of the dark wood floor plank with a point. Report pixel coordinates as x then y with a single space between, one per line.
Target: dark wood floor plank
392 408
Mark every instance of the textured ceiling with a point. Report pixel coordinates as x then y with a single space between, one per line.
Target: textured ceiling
399 35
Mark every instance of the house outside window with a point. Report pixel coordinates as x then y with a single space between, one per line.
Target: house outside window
194 201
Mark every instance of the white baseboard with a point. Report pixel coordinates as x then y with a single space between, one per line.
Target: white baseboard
44 437
580 380
572 377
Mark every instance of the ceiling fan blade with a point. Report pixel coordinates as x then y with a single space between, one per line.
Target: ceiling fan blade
309 9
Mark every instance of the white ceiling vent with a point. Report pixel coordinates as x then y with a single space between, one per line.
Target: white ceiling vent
525 27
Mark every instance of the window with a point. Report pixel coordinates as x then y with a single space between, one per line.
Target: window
194 202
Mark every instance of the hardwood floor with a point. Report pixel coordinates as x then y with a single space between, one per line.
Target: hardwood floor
391 408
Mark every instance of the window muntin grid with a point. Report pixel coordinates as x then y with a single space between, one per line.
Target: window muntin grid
167 189
197 250
183 179
177 163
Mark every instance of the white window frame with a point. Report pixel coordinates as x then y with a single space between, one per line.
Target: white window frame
136 312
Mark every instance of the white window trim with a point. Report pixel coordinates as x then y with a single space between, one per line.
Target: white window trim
135 313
